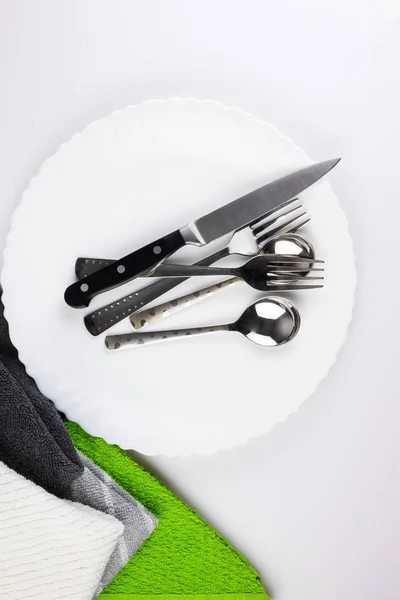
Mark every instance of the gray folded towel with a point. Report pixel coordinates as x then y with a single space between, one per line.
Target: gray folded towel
35 443
97 489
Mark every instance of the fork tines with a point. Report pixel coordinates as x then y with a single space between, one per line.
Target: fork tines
292 287
283 273
289 217
290 277
291 260
280 270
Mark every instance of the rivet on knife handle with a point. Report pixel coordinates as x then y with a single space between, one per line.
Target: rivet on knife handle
152 315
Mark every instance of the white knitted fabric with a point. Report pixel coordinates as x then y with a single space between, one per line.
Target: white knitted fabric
50 549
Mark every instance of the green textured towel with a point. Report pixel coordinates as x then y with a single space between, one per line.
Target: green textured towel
184 558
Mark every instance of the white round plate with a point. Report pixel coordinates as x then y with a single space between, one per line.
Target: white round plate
123 182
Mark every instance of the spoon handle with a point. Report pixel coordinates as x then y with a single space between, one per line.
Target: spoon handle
131 340
144 318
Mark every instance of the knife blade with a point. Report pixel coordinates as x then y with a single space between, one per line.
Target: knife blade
223 220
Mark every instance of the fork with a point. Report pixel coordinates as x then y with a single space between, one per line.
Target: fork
248 241
263 273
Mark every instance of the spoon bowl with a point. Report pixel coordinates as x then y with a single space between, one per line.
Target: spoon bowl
269 322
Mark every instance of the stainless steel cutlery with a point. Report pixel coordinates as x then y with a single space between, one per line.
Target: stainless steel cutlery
228 218
290 243
248 241
267 322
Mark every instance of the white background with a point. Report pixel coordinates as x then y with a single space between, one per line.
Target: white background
314 505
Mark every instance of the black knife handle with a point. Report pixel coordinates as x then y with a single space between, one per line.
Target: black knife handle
102 319
80 293
85 266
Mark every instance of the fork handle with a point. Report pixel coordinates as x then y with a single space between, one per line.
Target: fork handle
102 319
192 271
144 318
132 340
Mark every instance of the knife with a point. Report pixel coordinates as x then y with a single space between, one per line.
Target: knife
224 220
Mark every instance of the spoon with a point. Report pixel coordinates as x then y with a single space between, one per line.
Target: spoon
261 272
287 243
268 322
